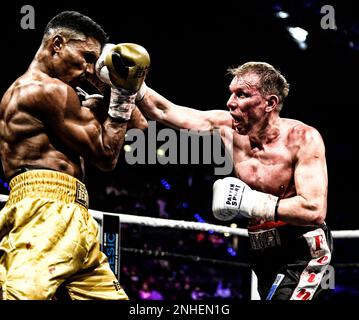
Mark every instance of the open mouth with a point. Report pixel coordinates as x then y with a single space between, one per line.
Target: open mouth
236 119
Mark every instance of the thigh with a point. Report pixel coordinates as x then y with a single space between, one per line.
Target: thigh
97 283
302 280
285 282
41 250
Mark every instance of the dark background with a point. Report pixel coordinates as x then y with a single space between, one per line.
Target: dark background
192 43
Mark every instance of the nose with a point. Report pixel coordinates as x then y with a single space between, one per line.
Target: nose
231 103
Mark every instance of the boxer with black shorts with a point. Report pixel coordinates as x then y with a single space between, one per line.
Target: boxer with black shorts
48 240
280 181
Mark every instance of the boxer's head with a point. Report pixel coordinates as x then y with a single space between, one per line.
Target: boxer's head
73 42
73 24
270 80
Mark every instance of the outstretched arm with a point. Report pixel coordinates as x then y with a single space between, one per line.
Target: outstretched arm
156 107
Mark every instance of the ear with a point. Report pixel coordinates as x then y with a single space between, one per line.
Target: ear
57 43
272 102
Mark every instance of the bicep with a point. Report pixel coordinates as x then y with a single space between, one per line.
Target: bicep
311 179
74 125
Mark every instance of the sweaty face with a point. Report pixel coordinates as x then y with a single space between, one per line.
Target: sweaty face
77 59
246 103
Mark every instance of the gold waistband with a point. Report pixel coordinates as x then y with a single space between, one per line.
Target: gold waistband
48 184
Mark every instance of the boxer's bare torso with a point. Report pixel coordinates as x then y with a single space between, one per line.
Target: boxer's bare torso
274 155
268 168
42 121
27 139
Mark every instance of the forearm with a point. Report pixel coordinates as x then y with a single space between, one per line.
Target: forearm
112 139
299 211
156 107
153 105
137 120
232 196
98 108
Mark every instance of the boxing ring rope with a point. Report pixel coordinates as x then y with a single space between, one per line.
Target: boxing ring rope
177 224
190 225
200 226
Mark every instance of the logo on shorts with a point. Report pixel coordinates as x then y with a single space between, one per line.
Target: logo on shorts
81 194
117 285
264 239
275 286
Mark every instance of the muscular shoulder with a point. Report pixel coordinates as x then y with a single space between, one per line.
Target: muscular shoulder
302 137
301 132
44 94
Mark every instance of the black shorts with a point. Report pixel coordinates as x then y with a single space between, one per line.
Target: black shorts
290 262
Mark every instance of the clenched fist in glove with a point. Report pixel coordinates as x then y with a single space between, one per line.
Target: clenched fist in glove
124 67
231 196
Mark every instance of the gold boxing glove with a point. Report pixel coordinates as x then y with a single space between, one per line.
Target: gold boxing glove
124 67
128 65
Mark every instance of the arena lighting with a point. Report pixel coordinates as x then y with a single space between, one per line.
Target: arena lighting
231 251
304 12
127 148
185 205
160 152
282 14
200 219
5 184
165 184
279 12
299 35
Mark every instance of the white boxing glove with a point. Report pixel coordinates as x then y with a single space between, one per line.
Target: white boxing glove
231 196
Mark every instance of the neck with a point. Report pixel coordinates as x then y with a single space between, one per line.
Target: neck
41 61
265 132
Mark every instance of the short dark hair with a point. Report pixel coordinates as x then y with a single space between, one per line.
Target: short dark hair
75 21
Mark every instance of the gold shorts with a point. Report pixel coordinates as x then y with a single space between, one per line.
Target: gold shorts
48 239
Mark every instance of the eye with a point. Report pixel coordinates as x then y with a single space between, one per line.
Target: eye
89 57
241 94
